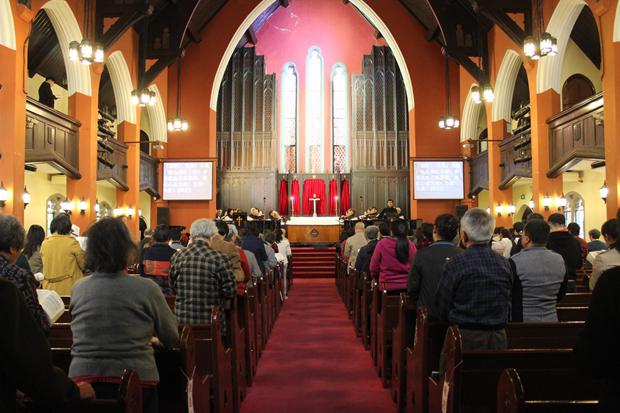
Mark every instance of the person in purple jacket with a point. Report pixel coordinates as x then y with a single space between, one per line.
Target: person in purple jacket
392 259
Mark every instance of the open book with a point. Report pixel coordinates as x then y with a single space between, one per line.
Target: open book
52 304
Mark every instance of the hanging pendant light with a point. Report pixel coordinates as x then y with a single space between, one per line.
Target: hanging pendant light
86 51
539 44
475 94
178 124
482 92
143 97
448 121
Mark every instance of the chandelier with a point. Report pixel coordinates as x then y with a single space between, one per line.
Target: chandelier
143 97
482 92
86 51
448 121
540 45
178 124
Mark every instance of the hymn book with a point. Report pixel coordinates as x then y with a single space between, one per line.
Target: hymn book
52 304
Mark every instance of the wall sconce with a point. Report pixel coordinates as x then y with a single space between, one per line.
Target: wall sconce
130 212
118 212
489 211
4 195
546 201
561 202
139 212
604 191
97 207
82 206
531 203
26 197
66 206
499 209
511 209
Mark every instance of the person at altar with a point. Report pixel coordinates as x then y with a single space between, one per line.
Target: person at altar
349 214
371 213
390 211
274 215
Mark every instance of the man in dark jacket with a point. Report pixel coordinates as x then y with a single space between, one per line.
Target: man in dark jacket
155 261
25 359
362 262
46 96
562 242
428 263
255 245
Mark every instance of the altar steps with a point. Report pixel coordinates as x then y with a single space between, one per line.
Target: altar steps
313 262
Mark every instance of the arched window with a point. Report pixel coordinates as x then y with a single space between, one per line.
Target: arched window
577 88
288 119
53 208
575 211
340 118
103 210
314 111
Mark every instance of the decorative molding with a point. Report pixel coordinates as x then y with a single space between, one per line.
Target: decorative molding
68 30
7 27
157 117
617 24
505 86
469 119
122 86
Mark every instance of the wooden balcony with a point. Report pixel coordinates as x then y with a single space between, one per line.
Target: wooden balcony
112 163
576 134
148 174
479 167
52 138
516 158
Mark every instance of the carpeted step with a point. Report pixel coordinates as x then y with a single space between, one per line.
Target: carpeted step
313 262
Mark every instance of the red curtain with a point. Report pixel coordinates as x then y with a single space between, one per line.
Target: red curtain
283 201
345 197
295 196
333 194
314 187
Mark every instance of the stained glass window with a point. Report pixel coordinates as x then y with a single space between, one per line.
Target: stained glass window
314 111
288 119
340 117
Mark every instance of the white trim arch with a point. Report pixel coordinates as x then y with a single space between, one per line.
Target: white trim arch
361 5
616 37
68 30
505 85
122 86
469 120
157 117
7 28
561 25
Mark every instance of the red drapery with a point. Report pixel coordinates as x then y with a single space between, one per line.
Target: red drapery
333 197
283 201
314 187
295 196
345 196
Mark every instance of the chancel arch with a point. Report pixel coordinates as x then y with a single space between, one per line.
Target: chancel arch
7 27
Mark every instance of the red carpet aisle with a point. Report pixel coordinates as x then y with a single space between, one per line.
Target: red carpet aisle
313 362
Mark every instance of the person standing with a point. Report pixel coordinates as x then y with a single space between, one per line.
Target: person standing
251 242
563 242
392 258
46 96
428 264
540 273
63 258
32 249
155 260
475 287
227 248
354 243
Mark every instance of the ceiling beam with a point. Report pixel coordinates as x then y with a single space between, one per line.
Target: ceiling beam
251 36
131 16
468 65
162 63
504 22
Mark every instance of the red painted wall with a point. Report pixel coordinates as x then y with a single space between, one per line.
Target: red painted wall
342 34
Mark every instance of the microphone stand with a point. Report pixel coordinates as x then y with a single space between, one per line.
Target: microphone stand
264 217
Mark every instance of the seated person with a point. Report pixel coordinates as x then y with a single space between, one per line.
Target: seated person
350 214
26 359
155 260
371 213
275 215
115 317
389 211
540 273
595 243
256 213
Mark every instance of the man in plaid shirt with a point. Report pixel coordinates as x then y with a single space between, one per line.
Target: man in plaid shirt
474 292
203 278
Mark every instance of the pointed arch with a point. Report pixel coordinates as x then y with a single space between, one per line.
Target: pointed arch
505 85
7 27
361 5
561 25
68 30
469 120
315 116
617 24
122 86
157 117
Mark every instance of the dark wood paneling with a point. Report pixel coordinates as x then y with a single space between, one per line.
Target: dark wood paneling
479 166
576 134
148 174
516 158
112 163
52 137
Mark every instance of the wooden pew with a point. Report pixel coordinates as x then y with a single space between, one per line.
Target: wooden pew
572 313
247 308
575 300
402 338
375 306
129 400
357 303
237 341
195 359
467 381
365 311
258 314
543 335
512 397
387 320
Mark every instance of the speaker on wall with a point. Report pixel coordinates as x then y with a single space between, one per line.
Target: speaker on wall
460 210
163 216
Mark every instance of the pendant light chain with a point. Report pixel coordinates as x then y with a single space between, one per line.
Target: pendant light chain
448 121
87 51
178 124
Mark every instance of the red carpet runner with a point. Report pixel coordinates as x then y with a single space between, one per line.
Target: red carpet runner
313 362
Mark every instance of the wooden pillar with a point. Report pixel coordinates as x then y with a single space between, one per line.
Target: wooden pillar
13 114
497 196
128 132
542 107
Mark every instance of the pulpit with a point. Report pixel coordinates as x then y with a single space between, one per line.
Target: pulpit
313 230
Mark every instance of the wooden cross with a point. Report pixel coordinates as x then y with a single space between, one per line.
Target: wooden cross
314 201
238 221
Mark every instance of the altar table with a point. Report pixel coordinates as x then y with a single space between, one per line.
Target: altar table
313 230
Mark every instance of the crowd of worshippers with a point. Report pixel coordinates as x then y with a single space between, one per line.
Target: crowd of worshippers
471 274
117 318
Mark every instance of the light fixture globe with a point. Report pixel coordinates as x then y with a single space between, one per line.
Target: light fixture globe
26 197
449 122
546 43
442 122
561 202
74 51
99 55
487 94
135 97
530 47
604 192
66 206
475 94
554 47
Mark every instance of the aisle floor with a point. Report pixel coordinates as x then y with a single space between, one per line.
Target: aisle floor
313 362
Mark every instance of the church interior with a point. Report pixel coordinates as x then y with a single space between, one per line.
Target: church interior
346 205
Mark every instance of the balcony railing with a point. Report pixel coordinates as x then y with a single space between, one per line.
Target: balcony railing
479 166
112 162
148 174
52 138
576 134
516 158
